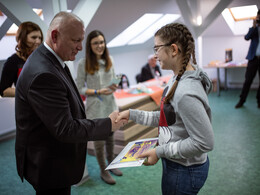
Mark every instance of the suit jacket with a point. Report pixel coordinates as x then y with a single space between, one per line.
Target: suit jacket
253 35
146 73
52 129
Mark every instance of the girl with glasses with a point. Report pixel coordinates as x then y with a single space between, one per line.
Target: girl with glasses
184 119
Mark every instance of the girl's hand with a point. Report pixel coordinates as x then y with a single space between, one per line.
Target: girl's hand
105 91
151 156
123 115
113 87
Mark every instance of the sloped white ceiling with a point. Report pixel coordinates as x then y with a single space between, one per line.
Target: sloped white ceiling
113 16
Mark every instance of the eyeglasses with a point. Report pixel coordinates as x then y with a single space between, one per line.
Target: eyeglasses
157 47
98 43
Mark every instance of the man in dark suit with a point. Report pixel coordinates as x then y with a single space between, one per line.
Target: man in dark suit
253 65
150 70
52 129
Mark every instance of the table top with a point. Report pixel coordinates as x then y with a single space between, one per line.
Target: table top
125 99
232 64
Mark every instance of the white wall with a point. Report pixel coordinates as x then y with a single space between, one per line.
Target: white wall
130 63
7 47
214 49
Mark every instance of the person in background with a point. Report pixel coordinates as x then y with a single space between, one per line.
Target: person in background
184 119
51 126
94 74
150 70
28 36
253 65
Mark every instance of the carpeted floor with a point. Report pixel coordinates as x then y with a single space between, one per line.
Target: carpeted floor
234 162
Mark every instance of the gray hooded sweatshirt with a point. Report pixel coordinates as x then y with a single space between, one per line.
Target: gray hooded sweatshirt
187 134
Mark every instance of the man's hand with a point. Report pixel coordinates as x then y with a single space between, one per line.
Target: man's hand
123 115
116 124
151 156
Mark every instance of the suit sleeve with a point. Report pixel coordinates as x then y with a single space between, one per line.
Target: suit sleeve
59 111
250 33
144 74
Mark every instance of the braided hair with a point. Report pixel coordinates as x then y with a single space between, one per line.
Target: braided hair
180 35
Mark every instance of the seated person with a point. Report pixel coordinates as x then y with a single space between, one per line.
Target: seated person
150 70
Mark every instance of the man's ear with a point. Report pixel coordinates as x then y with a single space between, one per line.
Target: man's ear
54 35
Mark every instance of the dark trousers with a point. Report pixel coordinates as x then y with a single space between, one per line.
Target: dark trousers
59 191
251 70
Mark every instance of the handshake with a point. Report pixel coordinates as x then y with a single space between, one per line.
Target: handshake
119 119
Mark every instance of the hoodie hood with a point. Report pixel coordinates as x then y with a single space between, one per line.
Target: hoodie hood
199 74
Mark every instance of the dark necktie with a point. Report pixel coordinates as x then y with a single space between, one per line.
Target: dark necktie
68 75
70 79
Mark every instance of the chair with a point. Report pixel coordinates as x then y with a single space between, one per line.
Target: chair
138 78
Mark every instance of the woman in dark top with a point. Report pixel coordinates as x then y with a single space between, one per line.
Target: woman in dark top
29 36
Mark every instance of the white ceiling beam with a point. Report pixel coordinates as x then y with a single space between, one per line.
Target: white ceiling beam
186 13
195 5
51 7
20 11
190 17
86 9
63 5
222 4
5 27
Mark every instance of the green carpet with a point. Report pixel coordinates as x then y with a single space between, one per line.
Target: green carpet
234 162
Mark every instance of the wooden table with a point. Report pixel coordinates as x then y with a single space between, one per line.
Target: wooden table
229 65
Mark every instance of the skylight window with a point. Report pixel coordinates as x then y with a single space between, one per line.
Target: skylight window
149 32
243 13
142 30
239 19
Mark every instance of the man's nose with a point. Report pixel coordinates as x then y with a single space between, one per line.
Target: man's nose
79 47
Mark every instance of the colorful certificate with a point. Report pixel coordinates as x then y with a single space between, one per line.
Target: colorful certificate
128 157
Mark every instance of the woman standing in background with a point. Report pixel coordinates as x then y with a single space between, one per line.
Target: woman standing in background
29 36
94 74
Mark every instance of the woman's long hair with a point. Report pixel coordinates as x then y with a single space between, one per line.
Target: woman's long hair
180 35
24 29
91 64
